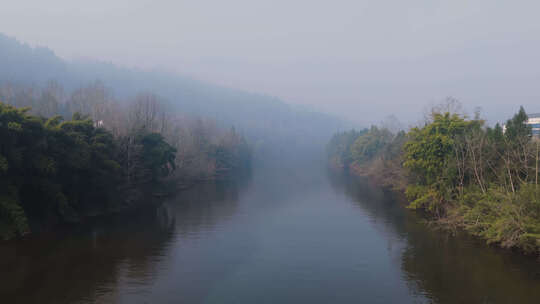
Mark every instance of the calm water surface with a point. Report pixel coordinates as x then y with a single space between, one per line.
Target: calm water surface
286 236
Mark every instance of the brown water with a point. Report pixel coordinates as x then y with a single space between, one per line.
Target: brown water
295 236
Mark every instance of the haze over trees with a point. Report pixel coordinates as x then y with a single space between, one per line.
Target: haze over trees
115 152
265 120
60 170
129 129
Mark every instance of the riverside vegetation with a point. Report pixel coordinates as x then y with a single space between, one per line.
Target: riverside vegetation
461 172
111 155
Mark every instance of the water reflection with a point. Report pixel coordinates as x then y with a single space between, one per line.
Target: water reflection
86 263
204 206
286 236
446 268
110 258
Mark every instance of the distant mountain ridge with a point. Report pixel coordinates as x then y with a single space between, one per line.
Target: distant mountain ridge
265 118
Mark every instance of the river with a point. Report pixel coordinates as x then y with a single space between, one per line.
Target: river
293 235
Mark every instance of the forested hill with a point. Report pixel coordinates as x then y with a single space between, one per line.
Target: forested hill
264 118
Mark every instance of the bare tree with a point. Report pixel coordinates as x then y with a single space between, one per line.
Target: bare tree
93 100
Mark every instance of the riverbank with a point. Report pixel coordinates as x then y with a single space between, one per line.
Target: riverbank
453 223
55 171
460 173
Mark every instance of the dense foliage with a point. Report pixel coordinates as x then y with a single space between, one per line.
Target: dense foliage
109 158
204 149
462 172
339 147
369 144
61 170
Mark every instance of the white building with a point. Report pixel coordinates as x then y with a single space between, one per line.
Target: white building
98 124
534 122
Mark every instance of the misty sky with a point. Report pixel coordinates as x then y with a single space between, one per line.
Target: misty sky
363 60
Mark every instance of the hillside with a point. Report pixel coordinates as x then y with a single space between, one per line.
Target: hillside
264 119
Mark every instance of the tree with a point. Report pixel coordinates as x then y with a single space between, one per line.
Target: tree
339 147
518 152
369 144
158 155
429 155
